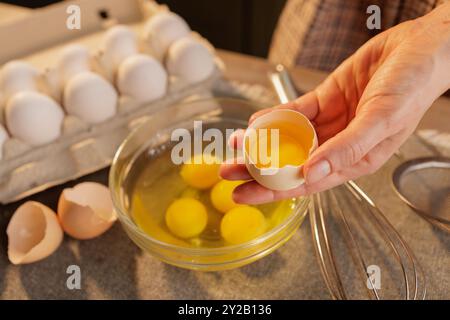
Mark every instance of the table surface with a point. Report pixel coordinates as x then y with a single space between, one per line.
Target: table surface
113 267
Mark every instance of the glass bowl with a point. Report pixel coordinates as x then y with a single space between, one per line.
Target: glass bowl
152 135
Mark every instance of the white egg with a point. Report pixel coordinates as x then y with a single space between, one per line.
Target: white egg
86 210
3 137
162 30
18 76
72 60
118 43
189 60
142 78
34 118
33 233
90 97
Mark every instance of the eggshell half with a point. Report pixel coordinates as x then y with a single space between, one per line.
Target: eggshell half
90 97
16 76
162 30
3 137
119 43
142 78
289 176
34 118
33 233
86 211
189 60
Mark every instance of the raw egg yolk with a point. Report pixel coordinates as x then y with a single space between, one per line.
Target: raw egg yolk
222 195
186 217
290 152
201 172
242 224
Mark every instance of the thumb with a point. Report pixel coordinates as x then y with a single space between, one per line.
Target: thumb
346 148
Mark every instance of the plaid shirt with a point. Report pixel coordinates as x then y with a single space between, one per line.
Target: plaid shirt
320 34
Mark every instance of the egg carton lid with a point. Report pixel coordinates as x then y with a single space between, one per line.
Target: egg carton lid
83 148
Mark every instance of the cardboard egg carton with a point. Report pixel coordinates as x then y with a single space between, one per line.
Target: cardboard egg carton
82 148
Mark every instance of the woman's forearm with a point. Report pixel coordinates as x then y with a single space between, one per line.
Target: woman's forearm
436 33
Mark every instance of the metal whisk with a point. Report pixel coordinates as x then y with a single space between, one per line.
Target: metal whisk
354 224
345 220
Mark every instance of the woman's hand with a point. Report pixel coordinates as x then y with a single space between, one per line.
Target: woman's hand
366 108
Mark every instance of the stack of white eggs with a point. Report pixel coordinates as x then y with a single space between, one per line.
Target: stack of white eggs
89 86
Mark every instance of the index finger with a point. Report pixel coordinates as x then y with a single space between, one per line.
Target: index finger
236 139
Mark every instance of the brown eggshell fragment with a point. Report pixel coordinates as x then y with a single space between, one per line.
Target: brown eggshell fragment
33 233
86 211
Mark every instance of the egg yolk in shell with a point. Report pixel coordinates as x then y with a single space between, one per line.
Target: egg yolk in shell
265 154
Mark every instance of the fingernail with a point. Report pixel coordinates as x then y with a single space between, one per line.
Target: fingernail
318 171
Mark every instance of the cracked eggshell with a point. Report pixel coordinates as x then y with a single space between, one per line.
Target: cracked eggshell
3 137
17 76
162 30
90 97
189 60
86 211
34 118
142 78
298 126
119 42
33 233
